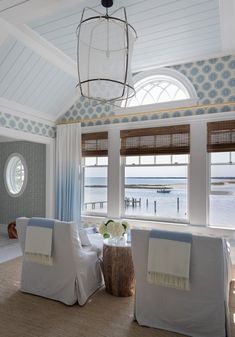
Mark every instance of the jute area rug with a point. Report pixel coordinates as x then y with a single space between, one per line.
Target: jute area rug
25 315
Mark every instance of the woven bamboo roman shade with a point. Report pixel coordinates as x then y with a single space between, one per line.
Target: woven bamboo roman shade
156 141
221 136
95 144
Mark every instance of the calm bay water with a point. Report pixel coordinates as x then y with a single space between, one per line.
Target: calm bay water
171 205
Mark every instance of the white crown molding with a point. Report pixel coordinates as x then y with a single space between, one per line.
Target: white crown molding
23 111
42 47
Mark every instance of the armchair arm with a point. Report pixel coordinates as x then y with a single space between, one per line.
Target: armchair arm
88 274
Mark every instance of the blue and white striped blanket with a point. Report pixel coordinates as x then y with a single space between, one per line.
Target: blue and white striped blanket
38 242
169 259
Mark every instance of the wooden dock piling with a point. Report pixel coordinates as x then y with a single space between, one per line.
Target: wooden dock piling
155 206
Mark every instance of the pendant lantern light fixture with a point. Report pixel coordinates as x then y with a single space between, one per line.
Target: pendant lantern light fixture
104 51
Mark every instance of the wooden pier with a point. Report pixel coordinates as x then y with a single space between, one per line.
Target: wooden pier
129 202
132 202
94 203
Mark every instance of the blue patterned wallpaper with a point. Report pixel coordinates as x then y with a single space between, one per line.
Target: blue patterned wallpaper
18 123
213 79
32 201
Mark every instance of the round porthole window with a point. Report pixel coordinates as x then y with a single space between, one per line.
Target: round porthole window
15 174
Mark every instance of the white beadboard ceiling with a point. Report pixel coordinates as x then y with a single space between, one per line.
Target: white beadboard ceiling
38 43
29 79
167 29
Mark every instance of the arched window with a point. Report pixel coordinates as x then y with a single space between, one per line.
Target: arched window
160 86
15 174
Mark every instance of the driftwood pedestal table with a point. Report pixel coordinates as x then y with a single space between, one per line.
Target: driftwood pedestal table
118 268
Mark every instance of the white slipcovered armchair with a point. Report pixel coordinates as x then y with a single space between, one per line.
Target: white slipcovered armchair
75 274
200 312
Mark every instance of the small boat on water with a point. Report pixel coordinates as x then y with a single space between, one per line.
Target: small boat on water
164 190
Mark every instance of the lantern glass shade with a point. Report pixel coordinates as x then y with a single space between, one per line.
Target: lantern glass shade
105 45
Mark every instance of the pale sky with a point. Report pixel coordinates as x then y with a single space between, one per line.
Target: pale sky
176 171
169 171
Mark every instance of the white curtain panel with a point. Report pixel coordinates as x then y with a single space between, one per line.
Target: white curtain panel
68 172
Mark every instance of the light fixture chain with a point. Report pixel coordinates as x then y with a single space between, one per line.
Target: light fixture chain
108 45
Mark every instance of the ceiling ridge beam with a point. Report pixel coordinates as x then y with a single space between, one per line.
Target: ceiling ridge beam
42 47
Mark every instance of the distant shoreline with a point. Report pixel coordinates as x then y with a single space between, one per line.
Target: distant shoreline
139 186
160 186
170 178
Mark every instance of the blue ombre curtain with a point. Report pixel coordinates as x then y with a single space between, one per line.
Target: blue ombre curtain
68 177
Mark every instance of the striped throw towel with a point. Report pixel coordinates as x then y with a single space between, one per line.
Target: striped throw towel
38 242
169 259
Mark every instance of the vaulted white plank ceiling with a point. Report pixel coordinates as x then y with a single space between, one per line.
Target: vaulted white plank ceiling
38 44
167 29
29 79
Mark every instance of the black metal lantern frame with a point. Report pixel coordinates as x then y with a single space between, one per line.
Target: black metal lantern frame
128 90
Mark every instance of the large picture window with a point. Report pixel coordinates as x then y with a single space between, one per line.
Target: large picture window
156 172
154 181
156 187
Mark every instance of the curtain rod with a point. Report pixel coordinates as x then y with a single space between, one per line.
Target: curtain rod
192 107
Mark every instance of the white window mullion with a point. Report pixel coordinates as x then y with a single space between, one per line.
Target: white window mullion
198 175
114 175
122 191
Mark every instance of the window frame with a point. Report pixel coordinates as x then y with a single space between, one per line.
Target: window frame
176 77
218 164
218 193
153 218
6 179
87 213
198 175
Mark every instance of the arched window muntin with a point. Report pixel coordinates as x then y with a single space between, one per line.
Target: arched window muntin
15 174
161 87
